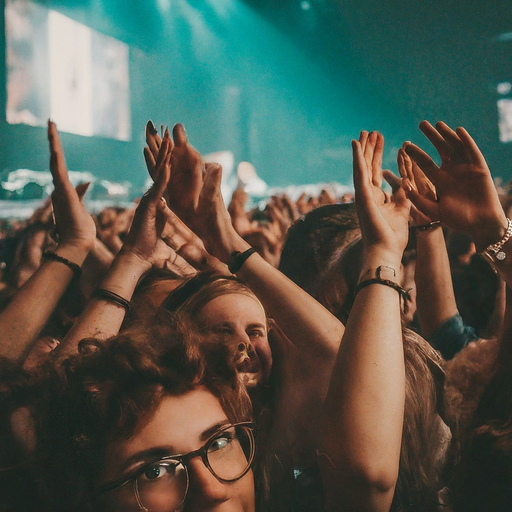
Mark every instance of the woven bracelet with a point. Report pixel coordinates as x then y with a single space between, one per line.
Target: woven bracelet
109 296
404 294
238 258
77 271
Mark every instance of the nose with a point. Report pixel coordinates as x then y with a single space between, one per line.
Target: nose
204 489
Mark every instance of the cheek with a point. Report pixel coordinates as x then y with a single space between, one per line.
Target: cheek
262 348
244 492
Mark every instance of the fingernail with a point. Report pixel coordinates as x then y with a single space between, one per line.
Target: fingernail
407 185
151 128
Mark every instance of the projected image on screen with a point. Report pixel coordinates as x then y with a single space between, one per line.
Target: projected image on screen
59 68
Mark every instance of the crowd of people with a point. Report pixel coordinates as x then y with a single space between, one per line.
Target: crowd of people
326 354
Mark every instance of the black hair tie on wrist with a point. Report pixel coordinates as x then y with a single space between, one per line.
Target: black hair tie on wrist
238 258
109 296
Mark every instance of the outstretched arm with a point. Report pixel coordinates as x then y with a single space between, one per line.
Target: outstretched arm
363 413
435 296
25 316
142 249
314 331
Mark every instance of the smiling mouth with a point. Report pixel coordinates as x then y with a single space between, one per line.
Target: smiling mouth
246 364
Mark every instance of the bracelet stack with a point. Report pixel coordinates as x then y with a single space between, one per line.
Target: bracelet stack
404 294
77 271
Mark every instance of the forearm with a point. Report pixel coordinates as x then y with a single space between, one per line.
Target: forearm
435 296
102 318
27 313
95 267
314 331
363 412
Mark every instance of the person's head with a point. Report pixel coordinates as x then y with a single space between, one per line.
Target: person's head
316 242
118 425
225 306
425 437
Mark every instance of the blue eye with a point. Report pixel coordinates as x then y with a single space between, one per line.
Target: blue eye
221 442
160 469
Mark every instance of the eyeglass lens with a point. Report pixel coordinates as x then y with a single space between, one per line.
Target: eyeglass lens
163 485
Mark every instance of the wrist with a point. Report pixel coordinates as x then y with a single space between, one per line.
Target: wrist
137 264
373 258
490 234
73 252
235 243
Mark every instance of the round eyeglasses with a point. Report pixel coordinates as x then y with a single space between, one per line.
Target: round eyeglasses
162 485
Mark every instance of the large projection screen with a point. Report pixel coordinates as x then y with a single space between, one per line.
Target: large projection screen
60 69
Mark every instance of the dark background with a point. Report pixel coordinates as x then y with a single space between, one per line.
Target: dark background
287 84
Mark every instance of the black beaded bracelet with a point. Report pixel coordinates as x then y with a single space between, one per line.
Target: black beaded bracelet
404 294
77 271
109 296
238 258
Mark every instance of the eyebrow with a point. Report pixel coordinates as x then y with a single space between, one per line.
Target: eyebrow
158 452
209 432
261 326
232 324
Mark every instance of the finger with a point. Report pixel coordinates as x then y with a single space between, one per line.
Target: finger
426 206
162 155
400 161
453 139
443 146
405 165
212 181
363 137
394 181
423 184
157 190
425 163
369 149
179 135
377 160
81 190
152 138
472 149
57 161
361 178
150 162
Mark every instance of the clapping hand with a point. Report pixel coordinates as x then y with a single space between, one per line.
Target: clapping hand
466 198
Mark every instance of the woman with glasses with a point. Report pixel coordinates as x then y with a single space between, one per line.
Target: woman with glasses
155 420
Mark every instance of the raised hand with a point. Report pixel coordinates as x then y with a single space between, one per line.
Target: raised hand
212 220
411 174
188 245
383 218
75 226
236 209
144 238
187 171
466 196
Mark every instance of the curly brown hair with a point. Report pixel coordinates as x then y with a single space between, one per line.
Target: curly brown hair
110 389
